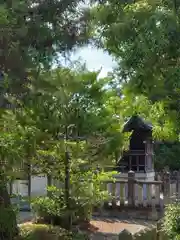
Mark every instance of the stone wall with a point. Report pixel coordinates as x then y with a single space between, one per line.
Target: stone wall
147 234
104 236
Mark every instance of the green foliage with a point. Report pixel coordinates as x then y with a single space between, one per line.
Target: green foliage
76 99
143 36
56 30
7 222
29 231
146 234
87 191
34 35
167 154
171 223
42 231
50 208
72 99
35 131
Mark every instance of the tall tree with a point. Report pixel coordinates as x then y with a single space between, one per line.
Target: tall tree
61 99
11 155
33 33
75 100
143 36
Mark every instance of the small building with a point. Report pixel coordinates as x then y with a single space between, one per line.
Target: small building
139 157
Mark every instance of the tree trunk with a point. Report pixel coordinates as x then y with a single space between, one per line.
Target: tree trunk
8 222
49 183
67 190
67 183
49 180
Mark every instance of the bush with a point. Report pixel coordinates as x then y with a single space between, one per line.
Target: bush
171 224
42 231
50 209
89 192
29 231
86 192
8 227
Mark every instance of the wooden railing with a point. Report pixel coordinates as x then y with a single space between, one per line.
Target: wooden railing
134 152
134 193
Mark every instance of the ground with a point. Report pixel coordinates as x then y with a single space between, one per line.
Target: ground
24 217
103 225
114 225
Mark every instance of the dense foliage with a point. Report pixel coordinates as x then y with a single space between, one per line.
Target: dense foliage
171 223
70 122
167 155
42 231
87 191
34 34
61 116
143 36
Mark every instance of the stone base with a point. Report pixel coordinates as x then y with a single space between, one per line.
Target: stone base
131 213
149 176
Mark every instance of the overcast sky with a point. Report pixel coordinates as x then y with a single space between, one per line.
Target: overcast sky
95 59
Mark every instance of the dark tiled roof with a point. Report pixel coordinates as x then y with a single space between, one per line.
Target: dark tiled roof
136 122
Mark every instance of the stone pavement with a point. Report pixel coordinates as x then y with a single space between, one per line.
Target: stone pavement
103 224
115 225
104 228
109 228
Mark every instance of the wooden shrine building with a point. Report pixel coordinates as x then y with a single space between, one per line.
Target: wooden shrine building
139 157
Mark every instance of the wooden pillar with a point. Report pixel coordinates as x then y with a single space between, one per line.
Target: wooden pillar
178 185
137 163
49 180
11 187
130 163
29 180
131 188
166 187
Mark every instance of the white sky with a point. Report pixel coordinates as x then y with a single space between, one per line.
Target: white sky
95 59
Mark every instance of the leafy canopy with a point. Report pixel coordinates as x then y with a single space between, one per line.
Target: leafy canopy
143 37
34 33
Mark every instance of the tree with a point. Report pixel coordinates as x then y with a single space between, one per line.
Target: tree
73 98
11 154
63 99
77 99
81 99
143 36
34 33
167 154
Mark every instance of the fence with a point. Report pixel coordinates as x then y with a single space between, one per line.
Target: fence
129 193
145 195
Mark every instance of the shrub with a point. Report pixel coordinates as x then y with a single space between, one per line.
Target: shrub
89 192
50 209
29 231
86 192
171 224
8 227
